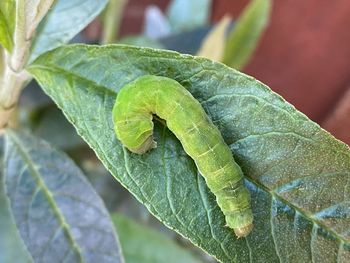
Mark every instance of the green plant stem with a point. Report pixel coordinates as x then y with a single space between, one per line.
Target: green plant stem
11 84
13 76
111 20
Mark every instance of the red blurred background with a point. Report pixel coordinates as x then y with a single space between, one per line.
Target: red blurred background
304 54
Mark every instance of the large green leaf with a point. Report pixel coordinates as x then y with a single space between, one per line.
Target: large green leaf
63 22
7 23
141 244
244 37
58 214
298 174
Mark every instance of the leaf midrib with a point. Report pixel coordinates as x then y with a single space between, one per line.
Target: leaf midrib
308 216
41 184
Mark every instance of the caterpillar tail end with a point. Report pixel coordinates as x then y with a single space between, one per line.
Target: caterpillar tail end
243 231
241 221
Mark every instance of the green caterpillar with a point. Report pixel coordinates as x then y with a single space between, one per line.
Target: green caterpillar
185 117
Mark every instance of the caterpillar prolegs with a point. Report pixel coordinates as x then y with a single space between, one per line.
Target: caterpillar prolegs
200 138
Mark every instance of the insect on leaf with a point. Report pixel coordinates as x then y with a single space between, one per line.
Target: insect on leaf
297 173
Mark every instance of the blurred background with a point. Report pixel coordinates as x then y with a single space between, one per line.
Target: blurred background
303 55
300 49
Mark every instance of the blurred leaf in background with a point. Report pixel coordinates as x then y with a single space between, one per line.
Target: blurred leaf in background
51 125
141 244
112 17
244 37
213 44
156 24
159 33
58 214
110 190
236 47
187 42
11 245
186 15
232 43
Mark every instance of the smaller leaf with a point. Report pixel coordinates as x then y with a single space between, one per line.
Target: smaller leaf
142 244
112 19
213 45
63 22
244 37
7 22
59 216
185 15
